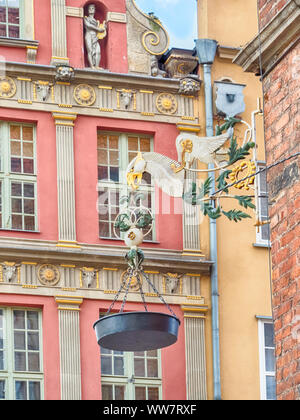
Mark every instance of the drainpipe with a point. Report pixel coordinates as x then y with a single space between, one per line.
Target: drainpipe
206 51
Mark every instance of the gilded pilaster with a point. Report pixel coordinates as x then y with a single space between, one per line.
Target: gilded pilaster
69 342
59 34
65 178
194 327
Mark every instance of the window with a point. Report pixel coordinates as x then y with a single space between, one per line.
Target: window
130 375
10 18
115 151
262 235
21 376
267 360
18 177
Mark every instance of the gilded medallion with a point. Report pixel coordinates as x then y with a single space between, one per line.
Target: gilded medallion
7 87
166 103
84 95
48 275
136 281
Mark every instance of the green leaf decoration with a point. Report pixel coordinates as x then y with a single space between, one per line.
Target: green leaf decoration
245 201
229 122
221 183
237 153
122 222
235 215
144 220
210 211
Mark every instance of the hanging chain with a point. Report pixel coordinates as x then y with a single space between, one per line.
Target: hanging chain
157 292
117 295
141 291
130 277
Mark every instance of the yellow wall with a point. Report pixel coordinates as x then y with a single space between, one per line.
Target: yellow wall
243 269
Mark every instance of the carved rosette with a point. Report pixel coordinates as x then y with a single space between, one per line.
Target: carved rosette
134 283
166 103
7 87
84 95
48 275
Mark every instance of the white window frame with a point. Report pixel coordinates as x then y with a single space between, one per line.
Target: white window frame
262 360
130 381
122 186
9 374
261 195
7 177
21 24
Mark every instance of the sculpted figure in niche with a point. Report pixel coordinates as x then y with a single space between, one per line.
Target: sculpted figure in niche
94 31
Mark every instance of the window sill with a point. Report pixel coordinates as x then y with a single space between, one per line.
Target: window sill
18 230
261 245
17 42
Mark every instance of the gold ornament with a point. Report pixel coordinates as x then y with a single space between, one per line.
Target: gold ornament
243 170
48 275
84 95
166 103
7 87
134 282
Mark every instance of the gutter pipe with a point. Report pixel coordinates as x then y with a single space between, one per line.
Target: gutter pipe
206 51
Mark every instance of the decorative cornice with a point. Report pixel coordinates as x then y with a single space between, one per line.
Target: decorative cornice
273 39
228 53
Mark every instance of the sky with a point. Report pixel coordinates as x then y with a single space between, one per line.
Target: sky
178 17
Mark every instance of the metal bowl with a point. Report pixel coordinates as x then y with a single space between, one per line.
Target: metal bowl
136 331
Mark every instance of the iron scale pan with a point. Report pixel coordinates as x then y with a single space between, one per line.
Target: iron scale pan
136 331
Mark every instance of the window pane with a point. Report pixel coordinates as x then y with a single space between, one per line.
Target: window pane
33 362
114 142
15 165
21 390
140 393
16 205
107 392
15 132
2 30
20 361
106 365
19 340
102 172
133 143
15 148
114 158
145 145
104 229
16 222
27 133
28 166
13 15
28 149
114 174
28 190
102 157
29 222
34 390
119 392
2 389
32 320
153 393
29 206
16 189
102 141
118 366
2 14
270 360
33 341
152 368
269 334
139 367
19 320
1 360
13 32
271 387
152 353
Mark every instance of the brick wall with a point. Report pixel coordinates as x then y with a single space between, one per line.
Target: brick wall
282 132
268 9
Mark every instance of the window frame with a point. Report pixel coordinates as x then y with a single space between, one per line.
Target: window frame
9 374
121 186
7 177
21 24
129 380
262 359
261 195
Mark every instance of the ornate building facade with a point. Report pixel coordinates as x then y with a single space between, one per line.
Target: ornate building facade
74 111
